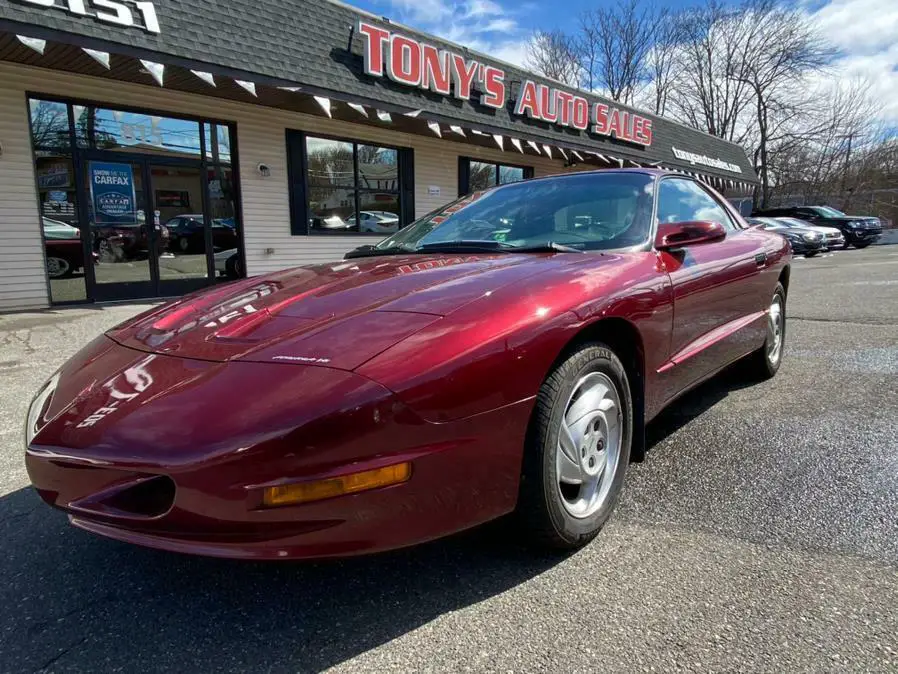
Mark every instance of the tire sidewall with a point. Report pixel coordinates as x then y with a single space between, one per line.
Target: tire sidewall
772 369
595 358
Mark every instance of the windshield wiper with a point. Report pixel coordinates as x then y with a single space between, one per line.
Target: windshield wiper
548 247
462 246
373 251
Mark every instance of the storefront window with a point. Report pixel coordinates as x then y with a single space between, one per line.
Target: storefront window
57 200
352 187
104 129
218 143
477 175
134 204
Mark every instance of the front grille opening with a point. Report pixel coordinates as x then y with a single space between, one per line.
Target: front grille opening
150 498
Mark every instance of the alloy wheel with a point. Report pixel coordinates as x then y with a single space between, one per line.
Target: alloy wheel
589 445
775 319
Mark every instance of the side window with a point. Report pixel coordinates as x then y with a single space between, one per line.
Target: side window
684 200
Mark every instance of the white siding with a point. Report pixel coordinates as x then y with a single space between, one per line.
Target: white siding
23 283
261 138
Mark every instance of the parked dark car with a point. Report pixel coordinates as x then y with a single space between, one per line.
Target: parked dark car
859 230
186 234
804 240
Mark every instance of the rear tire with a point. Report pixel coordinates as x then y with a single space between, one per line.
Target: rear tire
765 362
584 409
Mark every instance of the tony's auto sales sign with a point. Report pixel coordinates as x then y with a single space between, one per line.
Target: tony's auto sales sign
418 64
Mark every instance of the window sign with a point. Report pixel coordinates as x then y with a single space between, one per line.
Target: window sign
112 193
53 174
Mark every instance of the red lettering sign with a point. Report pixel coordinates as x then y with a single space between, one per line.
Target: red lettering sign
419 64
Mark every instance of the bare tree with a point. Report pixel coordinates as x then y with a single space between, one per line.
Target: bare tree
710 93
554 54
661 60
779 47
615 43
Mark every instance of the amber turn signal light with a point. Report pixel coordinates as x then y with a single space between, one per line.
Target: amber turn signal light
304 492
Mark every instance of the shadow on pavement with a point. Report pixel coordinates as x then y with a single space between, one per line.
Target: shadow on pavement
73 601
696 402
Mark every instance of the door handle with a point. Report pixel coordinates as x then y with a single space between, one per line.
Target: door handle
761 259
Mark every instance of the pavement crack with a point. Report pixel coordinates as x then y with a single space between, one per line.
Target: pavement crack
65 651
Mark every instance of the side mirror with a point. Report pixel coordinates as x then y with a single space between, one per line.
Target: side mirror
680 234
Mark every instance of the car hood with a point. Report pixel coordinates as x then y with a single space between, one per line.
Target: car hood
336 315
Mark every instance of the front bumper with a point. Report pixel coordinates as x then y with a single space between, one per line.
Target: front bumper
863 235
805 247
182 465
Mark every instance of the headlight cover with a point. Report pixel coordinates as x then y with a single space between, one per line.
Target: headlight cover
34 422
810 236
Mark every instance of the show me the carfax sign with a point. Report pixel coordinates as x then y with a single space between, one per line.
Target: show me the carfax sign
131 14
411 62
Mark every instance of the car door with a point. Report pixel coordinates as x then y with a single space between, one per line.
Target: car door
717 288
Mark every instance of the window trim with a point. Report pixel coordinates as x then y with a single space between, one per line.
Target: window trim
464 172
298 183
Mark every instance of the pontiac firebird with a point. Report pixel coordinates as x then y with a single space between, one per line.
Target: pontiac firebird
500 355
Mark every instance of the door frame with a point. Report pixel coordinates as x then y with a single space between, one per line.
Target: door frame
155 286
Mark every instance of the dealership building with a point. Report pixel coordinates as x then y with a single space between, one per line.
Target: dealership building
148 149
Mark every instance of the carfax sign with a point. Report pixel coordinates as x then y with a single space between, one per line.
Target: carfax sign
112 193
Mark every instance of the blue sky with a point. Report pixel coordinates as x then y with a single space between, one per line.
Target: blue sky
866 31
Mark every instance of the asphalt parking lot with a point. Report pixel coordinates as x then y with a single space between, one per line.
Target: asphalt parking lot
761 533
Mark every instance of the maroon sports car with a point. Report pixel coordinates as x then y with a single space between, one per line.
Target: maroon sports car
501 354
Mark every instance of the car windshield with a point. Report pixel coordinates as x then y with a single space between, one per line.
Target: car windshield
590 211
830 212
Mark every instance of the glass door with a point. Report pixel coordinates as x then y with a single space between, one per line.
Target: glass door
119 233
185 238
148 227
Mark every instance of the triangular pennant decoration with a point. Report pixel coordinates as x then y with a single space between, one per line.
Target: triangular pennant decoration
101 57
602 157
563 153
358 108
548 150
479 132
457 129
384 116
34 43
157 70
621 162
413 113
517 144
500 141
248 86
534 146
205 77
577 155
292 90
325 104
435 127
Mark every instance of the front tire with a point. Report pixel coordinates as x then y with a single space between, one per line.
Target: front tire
577 449
765 362
861 244
812 253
